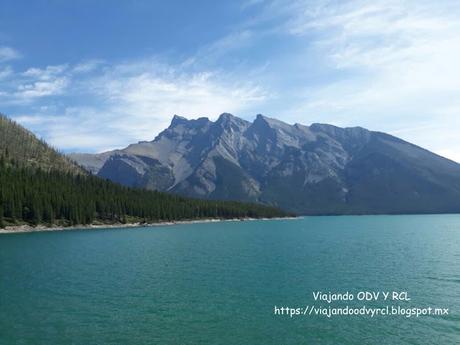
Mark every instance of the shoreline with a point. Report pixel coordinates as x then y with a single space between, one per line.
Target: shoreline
17 229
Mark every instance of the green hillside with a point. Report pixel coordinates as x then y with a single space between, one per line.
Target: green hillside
26 149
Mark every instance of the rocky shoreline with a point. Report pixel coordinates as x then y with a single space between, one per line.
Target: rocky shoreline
39 228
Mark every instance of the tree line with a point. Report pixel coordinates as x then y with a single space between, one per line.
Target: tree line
37 196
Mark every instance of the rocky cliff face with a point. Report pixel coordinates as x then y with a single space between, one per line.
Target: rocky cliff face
317 169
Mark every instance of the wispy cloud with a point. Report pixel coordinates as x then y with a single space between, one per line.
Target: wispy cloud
47 73
87 66
8 53
123 103
74 129
37 89
395 65
34 83
144 98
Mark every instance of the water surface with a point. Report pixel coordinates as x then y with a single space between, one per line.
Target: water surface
217 283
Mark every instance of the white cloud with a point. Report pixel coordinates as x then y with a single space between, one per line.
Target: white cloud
126 102
74 129
87 66
37 89
395 65
34 83
8 53
26 87
142 103
47 73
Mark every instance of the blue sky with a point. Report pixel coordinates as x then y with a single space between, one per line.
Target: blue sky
89 76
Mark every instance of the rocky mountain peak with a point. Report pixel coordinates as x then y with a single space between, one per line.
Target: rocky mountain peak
274 124
181 126
277 132
178 120
261 120
227 119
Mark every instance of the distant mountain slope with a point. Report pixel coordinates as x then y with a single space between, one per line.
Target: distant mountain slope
317 169
27 150
40 186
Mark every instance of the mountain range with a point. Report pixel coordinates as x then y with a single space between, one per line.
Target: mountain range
316 169
41 186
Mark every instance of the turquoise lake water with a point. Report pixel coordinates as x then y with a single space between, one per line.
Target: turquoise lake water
218 283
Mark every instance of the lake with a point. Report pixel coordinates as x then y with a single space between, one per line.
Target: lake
219 283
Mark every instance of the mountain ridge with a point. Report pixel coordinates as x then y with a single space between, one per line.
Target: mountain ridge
316 169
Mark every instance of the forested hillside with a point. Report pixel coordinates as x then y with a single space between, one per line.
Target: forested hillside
35 196
40 186
27 150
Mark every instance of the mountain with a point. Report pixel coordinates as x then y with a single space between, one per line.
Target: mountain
317 169
27 150
41 186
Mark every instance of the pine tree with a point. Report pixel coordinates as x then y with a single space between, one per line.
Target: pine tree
2 223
